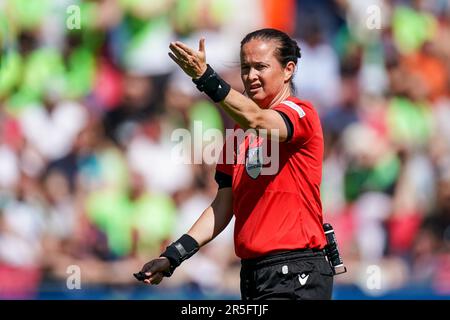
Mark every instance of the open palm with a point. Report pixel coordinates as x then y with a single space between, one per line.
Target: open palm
192 62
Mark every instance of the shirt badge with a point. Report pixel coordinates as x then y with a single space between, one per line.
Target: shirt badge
253 164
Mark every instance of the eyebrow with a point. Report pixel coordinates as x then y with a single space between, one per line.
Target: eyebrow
254 63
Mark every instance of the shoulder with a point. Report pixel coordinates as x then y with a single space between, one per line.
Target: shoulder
304 103
294 104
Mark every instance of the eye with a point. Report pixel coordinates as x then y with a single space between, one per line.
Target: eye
260 67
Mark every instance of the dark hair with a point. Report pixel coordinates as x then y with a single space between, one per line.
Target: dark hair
287 49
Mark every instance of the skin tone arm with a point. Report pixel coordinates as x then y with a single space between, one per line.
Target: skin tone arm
250 116
214 219
211 223
239 107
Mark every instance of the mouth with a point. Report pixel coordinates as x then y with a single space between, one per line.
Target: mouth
254 88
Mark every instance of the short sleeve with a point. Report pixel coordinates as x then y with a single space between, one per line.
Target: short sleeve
303 119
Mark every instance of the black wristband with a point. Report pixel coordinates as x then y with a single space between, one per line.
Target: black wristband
180 250
213 85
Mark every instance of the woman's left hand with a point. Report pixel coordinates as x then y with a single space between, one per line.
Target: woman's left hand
192 62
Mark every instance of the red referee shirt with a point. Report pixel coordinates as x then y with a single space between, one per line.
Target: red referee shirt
283 210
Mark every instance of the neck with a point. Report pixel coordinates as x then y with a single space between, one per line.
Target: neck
283 95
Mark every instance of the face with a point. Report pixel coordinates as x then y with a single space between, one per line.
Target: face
263 76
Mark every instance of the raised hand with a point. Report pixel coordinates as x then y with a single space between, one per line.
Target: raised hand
192 62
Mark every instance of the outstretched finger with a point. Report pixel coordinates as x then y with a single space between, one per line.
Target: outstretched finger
201 45
185 48
178 52
177 61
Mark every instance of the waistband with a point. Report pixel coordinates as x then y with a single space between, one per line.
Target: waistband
281 256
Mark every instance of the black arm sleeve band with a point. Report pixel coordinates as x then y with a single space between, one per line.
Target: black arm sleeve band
289 125
223 180
213 85
180 250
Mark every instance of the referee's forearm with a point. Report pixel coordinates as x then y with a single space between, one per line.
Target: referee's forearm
214 219
242 109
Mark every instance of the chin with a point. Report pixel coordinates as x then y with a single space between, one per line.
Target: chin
260 100
258 97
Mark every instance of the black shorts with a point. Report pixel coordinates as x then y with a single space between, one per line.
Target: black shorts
293 275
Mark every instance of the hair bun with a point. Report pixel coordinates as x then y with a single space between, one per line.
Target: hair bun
296 48
297 51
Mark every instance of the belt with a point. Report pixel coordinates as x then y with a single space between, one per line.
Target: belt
282 256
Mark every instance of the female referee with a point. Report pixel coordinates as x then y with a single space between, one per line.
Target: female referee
278 229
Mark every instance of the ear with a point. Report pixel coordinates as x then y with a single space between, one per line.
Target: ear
289 71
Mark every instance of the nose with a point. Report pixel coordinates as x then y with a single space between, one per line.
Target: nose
252 74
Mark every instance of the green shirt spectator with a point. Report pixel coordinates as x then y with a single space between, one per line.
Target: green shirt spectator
28 14
409 122
116 214
412 28
382 178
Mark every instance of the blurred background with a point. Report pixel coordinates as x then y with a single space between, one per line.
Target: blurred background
89 99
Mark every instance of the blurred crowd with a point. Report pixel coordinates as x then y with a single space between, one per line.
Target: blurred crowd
88 175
